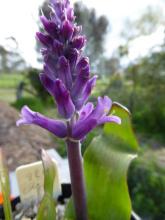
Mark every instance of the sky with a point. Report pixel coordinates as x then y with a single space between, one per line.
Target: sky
18 18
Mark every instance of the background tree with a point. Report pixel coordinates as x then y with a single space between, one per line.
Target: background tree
10 58
148 77
146 24
3 59
95 28
109 66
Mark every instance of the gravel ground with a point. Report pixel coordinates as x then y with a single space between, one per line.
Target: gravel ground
20 144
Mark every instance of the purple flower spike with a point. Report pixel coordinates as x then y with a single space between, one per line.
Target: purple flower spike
66 72
57 127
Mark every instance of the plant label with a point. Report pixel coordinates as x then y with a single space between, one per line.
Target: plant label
30 180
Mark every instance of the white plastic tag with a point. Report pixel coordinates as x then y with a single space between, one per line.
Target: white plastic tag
30 180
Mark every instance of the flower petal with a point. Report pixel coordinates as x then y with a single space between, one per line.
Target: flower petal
86 110
64 103
111 118
82 128
78 42
85 93
65 73
47 82
70 14
58 47
73 55
83 62
46 40
90 118
67 30
80 81
102 108
49 72
58 90
28 116
49 26
50 61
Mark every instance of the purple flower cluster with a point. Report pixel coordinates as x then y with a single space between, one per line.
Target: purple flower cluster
66 76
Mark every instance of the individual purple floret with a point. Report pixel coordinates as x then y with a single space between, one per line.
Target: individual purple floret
66 76
57 127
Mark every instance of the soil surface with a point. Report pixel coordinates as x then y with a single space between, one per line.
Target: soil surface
20 144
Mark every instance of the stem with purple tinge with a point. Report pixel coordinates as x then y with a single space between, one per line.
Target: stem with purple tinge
77 179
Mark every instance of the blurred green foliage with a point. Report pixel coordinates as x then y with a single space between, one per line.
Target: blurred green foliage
147 185
32 102
10 80
33 77
148 106
5 187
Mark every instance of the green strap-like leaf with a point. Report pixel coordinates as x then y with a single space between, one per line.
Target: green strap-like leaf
47 206
106 162
123 132
5 188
